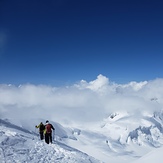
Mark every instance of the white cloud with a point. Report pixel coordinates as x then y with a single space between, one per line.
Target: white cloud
85 101
98 83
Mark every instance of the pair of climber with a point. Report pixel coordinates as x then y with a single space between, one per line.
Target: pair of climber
46 130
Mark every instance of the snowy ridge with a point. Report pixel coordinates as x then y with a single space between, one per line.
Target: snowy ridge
144 129
19 145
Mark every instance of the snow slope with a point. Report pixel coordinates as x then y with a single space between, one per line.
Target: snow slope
152 157
114 140
20 145
119 140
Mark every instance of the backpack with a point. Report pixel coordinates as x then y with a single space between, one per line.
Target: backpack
48 128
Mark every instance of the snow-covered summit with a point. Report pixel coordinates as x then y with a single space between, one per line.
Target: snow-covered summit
20 145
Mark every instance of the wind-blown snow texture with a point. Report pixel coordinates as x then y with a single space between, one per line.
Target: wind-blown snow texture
97 121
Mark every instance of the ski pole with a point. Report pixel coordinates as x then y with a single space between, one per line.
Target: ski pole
37 133
54 135
34 134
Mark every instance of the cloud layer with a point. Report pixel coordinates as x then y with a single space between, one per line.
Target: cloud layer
81 102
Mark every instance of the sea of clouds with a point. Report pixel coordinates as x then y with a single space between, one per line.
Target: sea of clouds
79 103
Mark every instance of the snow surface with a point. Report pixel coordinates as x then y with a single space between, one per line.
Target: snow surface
152 157
96 121
19 145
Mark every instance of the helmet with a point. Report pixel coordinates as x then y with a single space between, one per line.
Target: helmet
47 121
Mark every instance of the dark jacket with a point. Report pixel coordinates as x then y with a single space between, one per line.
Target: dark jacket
41 127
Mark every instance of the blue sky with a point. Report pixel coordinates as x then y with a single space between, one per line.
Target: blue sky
64 41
